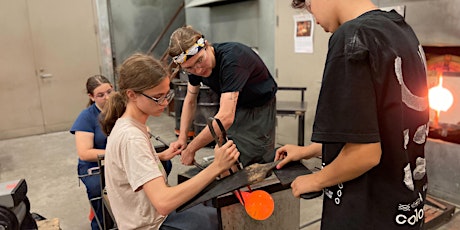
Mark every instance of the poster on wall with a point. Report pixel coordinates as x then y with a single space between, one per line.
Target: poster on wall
303 33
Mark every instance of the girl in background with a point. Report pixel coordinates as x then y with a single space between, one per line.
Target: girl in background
90 141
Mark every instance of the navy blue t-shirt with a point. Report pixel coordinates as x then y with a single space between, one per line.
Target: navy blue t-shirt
88 121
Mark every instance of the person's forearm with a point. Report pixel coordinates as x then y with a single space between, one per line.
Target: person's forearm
353 161
91 154
312 150
201 140
205 136
183 192
84 142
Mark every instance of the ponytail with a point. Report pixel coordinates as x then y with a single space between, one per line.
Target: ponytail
138 72
113 109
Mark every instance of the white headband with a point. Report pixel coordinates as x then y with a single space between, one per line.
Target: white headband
182 57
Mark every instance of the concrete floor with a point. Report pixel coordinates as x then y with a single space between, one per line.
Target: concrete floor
48 164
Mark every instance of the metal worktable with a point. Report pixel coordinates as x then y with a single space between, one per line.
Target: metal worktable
294 108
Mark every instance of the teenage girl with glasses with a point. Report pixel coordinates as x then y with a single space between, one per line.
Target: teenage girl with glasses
136 182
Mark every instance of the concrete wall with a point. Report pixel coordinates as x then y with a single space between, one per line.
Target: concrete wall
297 69
135 25
249 22
269 26
434 21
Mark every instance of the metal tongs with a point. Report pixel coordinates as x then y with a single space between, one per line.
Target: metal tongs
222 142
213 132
223 136
256 172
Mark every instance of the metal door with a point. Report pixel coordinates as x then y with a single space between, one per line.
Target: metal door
66 54
49 48
19 94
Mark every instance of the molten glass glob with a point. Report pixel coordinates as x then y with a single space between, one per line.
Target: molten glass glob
259 204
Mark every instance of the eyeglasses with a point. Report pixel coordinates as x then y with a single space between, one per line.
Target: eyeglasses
168 97
197 64
102 95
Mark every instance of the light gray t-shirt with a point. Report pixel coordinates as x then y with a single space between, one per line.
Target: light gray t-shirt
130 162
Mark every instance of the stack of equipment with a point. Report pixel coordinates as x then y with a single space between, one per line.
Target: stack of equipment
15 206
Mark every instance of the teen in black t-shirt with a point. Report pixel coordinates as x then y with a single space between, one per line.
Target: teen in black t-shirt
247 94
371 121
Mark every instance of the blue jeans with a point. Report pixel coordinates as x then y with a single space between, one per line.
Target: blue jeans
167 165
199 217
93 190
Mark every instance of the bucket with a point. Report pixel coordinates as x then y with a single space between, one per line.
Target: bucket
207 106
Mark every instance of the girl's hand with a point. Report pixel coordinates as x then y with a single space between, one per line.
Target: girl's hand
169 153
179 144
226 156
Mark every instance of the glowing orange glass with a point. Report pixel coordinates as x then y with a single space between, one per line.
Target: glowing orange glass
259 205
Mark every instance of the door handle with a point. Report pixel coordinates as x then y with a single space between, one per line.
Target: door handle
46 75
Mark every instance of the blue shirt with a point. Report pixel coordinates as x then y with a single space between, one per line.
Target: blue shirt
88 121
